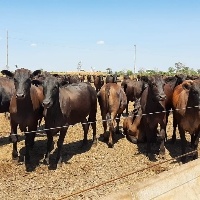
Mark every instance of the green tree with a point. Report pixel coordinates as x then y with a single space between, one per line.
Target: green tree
109 70
129 72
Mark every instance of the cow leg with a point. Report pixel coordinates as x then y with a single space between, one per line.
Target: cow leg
14 139
118 120
193 138
49 146
94 128
105 124
60 145
27 147
29 142
195 143
174 130
32 136
149 133
167 116
162 143
183 143
111 131
161 138
127 108
85 126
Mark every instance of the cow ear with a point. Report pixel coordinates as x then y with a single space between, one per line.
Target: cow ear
7 73
145 85
187 85
145 79
56 75
62 81
36 82
35 73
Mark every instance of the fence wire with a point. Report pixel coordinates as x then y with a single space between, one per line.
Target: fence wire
124 176
40 131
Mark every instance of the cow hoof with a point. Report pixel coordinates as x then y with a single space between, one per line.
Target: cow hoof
46 161
15 156
183 160
110 145
151 157
162 156
84 143
15 159
195 156
94 144
59 164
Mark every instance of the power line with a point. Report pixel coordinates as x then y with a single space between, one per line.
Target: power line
7 50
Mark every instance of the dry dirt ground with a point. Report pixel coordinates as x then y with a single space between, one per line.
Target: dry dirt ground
87 171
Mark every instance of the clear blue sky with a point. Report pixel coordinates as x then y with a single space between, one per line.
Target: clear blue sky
55 35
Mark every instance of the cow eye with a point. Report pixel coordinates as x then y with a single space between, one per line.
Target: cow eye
195 92
15 80
55 88
28 81
154 85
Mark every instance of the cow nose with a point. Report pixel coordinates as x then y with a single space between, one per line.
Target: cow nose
45 103
162 97
20 95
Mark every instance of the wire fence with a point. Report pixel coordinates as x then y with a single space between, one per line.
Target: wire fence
40 130
122 176
125 175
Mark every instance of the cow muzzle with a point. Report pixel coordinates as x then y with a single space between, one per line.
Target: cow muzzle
46 104
132 139
20 95
162 97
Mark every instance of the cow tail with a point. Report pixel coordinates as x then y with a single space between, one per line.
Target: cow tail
107 94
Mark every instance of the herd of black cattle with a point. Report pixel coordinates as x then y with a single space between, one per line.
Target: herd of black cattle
64 100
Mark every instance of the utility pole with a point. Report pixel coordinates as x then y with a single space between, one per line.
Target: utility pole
135 59
7 52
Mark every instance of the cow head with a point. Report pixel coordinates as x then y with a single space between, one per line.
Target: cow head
192 87
156 84
101 79
114 78
22 80
51 90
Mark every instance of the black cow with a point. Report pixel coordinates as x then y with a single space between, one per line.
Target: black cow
111 79
98 82
133 90
25 108
153 111
65 106
7 89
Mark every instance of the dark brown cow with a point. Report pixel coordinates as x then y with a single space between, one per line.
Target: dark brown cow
132 125
89 78
153 111
133 90
111 79
25 108
186 101
7 89
98 82
171 83
65 106
126 77
72 79
112 101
